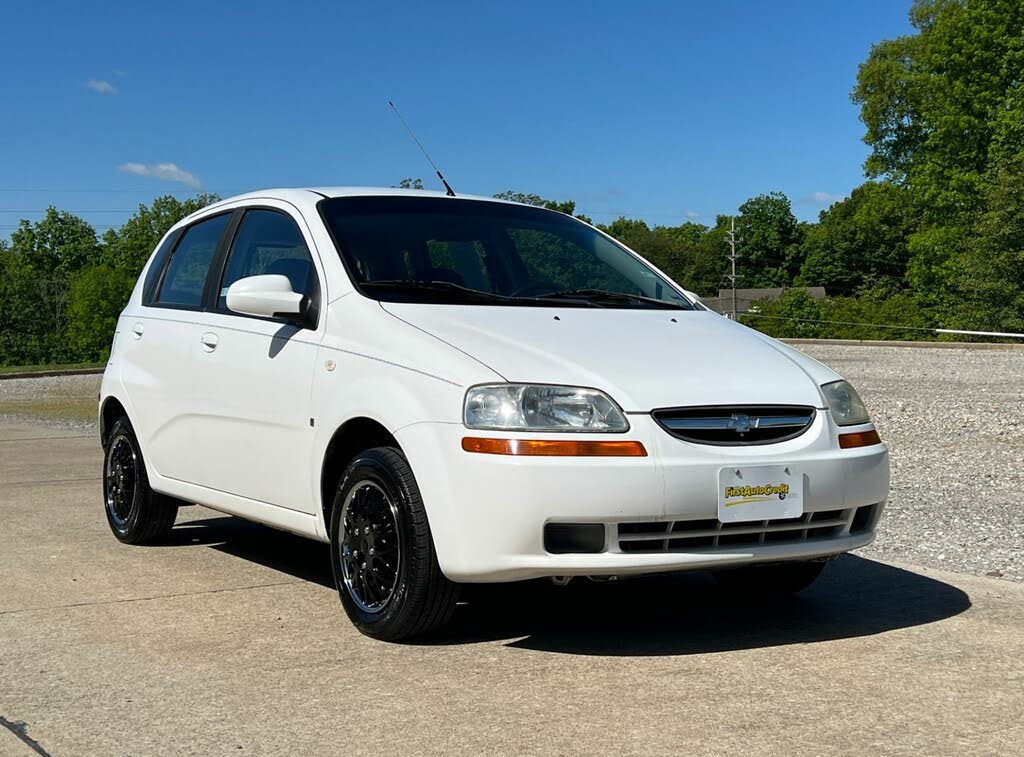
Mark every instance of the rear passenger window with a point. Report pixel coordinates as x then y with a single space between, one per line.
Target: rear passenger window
269 242
186 273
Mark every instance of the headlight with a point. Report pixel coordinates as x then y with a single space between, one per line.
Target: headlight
541 407
846 405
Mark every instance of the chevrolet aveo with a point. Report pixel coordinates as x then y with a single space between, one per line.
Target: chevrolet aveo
457 390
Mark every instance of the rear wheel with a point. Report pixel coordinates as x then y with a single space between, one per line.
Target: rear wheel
136 514
770 580
382 553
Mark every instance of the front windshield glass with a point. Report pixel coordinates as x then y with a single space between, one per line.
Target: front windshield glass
449 250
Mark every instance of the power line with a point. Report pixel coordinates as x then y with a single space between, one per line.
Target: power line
71 211
110 191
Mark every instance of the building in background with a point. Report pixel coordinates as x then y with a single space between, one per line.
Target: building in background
746 299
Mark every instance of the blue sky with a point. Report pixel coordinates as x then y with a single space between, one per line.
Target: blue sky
662 111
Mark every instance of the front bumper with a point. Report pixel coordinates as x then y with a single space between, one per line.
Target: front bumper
487 512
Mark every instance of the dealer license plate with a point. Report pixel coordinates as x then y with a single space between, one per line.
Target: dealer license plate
762 492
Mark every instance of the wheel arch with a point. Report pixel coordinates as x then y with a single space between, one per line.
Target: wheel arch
110 411
348 440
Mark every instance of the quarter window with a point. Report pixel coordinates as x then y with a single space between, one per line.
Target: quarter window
190 263
269 242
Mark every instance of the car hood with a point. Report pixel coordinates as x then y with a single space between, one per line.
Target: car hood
645 359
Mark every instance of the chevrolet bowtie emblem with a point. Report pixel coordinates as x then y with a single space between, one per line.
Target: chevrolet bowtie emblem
740 423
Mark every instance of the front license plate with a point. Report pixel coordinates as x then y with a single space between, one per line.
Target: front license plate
762 492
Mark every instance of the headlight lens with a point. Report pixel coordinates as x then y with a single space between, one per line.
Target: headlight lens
541 407
846 405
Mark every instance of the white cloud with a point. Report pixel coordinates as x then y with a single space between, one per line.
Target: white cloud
825 198
102 87
693 215
164 171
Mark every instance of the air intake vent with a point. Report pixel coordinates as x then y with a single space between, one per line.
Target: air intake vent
734 425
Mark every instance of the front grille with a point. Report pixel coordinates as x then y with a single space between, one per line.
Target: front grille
710 534
736 425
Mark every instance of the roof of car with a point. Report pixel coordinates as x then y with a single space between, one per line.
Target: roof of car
286 193
304 196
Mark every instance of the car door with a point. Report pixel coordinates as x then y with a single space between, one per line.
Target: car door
253 375
157 367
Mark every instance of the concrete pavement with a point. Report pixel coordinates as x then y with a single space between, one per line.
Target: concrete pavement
230 640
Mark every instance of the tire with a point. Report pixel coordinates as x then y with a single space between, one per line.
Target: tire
135 513
771 581
400 591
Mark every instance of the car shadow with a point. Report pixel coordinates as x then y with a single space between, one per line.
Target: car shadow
279 550
673 614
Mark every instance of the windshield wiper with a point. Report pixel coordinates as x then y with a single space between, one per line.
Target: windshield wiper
603 294
411 285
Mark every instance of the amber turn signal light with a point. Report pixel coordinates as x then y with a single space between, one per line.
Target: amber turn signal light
859 439
553 447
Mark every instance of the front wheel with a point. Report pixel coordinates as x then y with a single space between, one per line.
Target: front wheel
770 580
382 553
136 514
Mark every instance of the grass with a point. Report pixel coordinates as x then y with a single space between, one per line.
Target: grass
15 369
51 399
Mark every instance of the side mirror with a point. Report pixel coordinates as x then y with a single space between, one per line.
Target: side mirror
268 296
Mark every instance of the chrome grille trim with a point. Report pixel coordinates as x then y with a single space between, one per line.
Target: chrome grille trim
735 425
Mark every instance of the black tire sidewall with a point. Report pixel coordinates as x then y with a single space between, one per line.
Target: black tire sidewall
122 428
372 466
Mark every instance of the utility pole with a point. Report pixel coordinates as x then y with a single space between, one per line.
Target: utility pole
730 237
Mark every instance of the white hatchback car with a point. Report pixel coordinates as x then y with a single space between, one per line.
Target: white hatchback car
452 390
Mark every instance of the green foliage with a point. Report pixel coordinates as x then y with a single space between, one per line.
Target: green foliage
566 206
992 276
410 184
860 241
61 290
791 315
944 106
770 239
97 296
868 315
128 247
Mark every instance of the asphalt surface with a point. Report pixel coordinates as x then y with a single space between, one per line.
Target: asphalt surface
230 640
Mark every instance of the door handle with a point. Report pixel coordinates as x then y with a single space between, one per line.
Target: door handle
209 341
137 330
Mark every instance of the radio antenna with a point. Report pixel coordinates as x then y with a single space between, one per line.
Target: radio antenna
447 187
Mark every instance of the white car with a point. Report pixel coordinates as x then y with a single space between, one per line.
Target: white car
453 390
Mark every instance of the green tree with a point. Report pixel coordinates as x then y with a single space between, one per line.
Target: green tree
129 247
97 296
566 206
40 263
945 106
794 314
991 295
410 184
860 240
770 239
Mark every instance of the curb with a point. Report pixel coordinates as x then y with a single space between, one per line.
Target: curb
45 374
919 345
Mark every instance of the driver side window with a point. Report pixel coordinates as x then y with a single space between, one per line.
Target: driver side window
269 242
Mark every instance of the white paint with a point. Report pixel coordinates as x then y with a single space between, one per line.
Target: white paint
229 426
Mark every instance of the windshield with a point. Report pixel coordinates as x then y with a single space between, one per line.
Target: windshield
449 250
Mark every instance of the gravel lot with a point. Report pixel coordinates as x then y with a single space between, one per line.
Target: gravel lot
953 418
954 422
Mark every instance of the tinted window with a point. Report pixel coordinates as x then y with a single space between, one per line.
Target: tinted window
186 273
415 249
268 242
157 268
